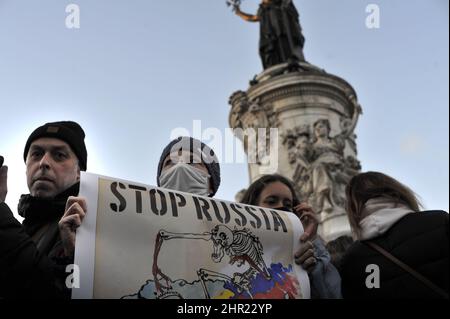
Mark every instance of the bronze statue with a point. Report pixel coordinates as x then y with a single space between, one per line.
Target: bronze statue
281 39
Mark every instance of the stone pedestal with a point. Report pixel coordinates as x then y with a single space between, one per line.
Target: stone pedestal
320 160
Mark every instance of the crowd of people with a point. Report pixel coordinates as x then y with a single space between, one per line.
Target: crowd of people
405 249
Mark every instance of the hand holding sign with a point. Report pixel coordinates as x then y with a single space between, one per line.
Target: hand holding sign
73 216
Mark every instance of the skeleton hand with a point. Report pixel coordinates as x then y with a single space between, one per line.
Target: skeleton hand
240 281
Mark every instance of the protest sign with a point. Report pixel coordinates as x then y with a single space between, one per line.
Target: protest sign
140 241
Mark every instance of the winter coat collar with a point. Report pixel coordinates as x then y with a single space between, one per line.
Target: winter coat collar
38 210
380 214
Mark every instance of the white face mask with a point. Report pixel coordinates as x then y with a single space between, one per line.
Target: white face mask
185 178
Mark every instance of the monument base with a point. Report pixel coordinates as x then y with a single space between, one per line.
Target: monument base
295 98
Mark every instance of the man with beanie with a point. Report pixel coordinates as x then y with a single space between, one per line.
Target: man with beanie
188 165
34 254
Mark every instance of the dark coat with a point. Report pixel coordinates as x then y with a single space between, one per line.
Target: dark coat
32 262
420 240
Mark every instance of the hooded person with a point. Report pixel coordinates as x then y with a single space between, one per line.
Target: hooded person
188 165
34 254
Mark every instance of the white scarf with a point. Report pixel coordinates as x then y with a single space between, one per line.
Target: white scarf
379 214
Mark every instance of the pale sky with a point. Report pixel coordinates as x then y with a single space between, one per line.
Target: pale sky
136 70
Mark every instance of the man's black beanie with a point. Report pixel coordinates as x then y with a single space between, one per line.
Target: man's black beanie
194 146
67 131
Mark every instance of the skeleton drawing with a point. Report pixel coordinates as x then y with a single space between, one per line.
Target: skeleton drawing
240 245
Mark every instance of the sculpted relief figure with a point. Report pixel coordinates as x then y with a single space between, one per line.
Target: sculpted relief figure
330 170
321 169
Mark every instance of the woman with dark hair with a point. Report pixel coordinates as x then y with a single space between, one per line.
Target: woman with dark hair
401 251
253 193
277 192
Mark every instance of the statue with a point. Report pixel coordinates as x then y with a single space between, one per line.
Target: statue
321 169
281 39
298 143
330 171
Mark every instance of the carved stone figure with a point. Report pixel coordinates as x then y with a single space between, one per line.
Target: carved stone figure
299 153
321 170
330 171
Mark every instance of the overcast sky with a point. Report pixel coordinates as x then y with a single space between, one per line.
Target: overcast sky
136 70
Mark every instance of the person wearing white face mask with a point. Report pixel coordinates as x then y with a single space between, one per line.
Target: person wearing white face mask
188 165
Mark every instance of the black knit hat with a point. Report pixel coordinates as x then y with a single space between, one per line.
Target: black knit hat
194 146
67 131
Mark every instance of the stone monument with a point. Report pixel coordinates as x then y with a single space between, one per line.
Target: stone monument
315 113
